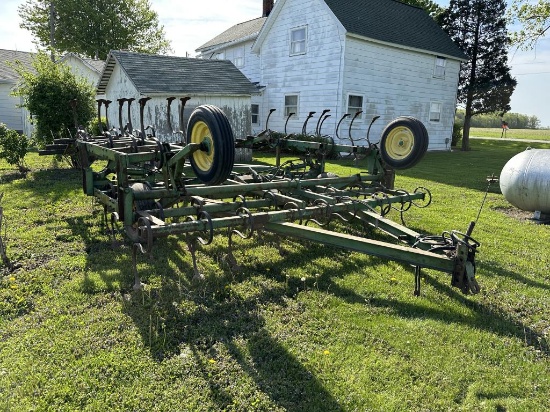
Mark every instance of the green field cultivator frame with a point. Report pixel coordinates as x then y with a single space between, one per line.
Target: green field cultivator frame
194 189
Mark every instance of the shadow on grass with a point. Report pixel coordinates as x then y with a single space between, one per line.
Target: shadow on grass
52 184
210 318
485 317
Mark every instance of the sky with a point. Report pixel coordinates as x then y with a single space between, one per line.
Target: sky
188 24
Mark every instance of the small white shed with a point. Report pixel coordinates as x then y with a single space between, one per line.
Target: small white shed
135 75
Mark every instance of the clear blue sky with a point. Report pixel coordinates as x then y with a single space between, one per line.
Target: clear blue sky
189 24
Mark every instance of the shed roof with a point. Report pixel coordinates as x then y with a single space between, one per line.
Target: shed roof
235 33
7 73
156 74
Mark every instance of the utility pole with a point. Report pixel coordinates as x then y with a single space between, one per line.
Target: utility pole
52 30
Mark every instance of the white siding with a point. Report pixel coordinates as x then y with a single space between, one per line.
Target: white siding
236 108
82 70
16 118
397 82
251 68
315 76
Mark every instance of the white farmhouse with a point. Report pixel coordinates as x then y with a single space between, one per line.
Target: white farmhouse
135 76
381 57
11 113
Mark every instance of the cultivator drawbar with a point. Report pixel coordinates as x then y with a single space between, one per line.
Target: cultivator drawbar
194 189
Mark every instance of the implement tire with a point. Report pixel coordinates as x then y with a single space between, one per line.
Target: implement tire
404 142
209 126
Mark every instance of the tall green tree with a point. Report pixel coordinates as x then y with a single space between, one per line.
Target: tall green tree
534 18
478 27
431 7
94 27
47 91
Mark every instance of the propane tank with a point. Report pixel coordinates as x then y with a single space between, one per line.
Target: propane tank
525 180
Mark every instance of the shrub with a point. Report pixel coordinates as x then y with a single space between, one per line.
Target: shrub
457 133
13 147
47 91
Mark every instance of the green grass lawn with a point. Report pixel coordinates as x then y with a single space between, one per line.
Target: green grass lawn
314 329
531 134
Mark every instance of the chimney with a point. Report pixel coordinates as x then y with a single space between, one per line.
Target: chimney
268 6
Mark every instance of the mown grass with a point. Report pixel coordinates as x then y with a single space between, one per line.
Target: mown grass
529 134
313 329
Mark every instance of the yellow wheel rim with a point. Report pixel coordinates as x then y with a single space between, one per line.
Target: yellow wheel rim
399 142
201 134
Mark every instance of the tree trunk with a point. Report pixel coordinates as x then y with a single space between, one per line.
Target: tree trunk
466 133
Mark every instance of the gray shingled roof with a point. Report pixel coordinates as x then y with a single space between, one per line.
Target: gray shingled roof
394 22
11 56
97 65
237 32
156 74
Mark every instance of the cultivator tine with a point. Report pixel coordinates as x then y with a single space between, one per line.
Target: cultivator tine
169 114
317 132
99 124
120 106
142 102
304 126
107 103
248 218
183 127
130 126
192 246
321 125
137 281
287 119
339 123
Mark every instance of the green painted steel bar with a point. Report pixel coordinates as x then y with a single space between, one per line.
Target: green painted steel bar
213 208
396 230
390 251
106 200
301 144
261 218
232 190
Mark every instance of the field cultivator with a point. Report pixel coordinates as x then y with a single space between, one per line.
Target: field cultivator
195 189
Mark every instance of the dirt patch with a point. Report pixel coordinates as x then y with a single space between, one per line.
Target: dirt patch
514 212
519 214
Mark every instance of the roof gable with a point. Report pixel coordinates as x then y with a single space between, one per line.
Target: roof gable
394 22
385 21
156 74
11 56
92 64
236 33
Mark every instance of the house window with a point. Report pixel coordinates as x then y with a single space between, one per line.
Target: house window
255 113
291 104
439 69
355 104
298 41
238 58
435 112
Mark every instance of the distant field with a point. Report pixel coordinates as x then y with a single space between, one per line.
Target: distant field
511 133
